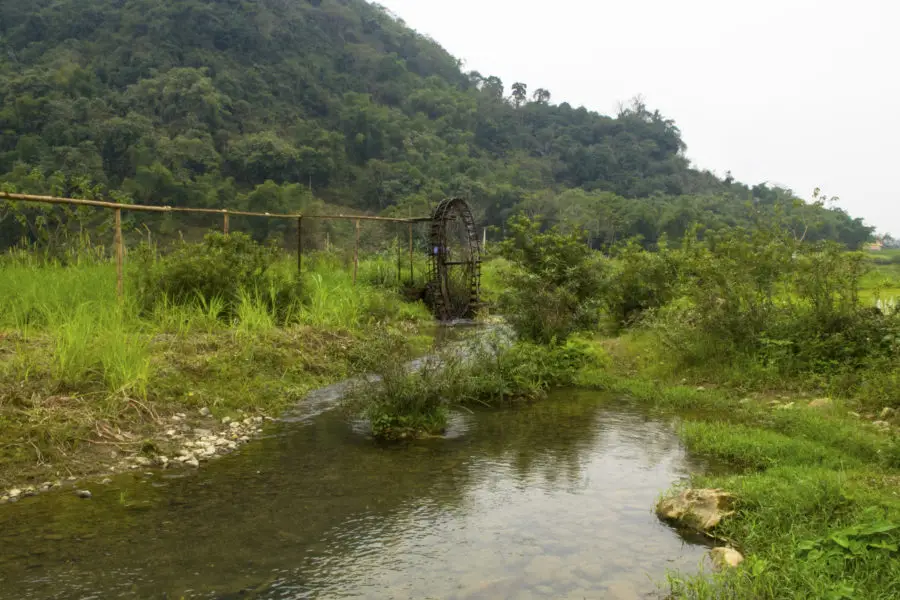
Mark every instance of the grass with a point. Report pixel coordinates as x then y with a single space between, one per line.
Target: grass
81 372
883 281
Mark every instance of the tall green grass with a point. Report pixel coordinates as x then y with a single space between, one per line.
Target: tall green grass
97 340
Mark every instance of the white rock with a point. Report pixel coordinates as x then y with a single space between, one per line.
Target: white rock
86 494
204 412
162 461
726 557
143 461
232 446
235 425
192 462
700 509
171 433
226 420
881 424
887 412
201 432
177 418
14 493
106 481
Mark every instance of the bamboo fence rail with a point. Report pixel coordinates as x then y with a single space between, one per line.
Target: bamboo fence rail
225 213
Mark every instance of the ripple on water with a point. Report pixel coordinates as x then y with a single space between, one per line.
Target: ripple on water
551 500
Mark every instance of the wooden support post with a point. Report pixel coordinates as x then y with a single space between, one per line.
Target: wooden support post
399 261
225 225
410 255
356 254
299 244
120 256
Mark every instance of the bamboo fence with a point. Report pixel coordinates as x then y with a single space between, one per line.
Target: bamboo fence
226 214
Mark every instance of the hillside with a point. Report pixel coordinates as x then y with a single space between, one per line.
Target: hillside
201 102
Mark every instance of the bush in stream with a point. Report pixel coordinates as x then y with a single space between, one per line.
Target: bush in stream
554 285
407 402
399 401
522 371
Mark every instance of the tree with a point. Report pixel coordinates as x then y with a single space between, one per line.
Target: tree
200 102
541 96
519 93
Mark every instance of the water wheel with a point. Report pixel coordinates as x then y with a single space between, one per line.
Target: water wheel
455 283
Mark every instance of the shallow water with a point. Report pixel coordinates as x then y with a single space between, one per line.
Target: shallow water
552 500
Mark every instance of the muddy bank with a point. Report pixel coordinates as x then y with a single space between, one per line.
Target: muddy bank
208 395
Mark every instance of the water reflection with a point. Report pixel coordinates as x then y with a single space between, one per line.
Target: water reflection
551 500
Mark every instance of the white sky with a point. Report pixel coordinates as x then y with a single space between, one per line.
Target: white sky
802 93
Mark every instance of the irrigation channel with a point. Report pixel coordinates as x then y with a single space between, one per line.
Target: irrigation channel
548 500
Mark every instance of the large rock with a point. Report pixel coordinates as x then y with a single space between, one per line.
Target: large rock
723 557
700 509
820 403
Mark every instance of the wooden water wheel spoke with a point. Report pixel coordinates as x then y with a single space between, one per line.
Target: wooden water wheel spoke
455 261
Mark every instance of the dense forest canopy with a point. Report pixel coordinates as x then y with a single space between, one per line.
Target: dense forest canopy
253 103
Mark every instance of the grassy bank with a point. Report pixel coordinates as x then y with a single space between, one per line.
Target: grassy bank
86 380
818 507
772 359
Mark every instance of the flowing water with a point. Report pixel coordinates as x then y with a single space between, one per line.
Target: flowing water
550 500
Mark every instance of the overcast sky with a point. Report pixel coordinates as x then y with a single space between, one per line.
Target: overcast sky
802 93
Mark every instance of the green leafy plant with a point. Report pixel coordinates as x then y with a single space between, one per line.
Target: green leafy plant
553 287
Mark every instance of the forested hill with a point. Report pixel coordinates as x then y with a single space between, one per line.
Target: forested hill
202 102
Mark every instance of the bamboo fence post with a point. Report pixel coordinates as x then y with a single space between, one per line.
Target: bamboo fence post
399 260
226 224
356 254
120 257
299 244
411 279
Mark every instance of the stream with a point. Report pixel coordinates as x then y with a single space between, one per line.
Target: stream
549 500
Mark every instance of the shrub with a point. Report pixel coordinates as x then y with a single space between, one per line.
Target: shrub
641 281
401 401
219 267
406 402
553 287
791 307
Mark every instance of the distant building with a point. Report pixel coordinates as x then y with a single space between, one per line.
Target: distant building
877 246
